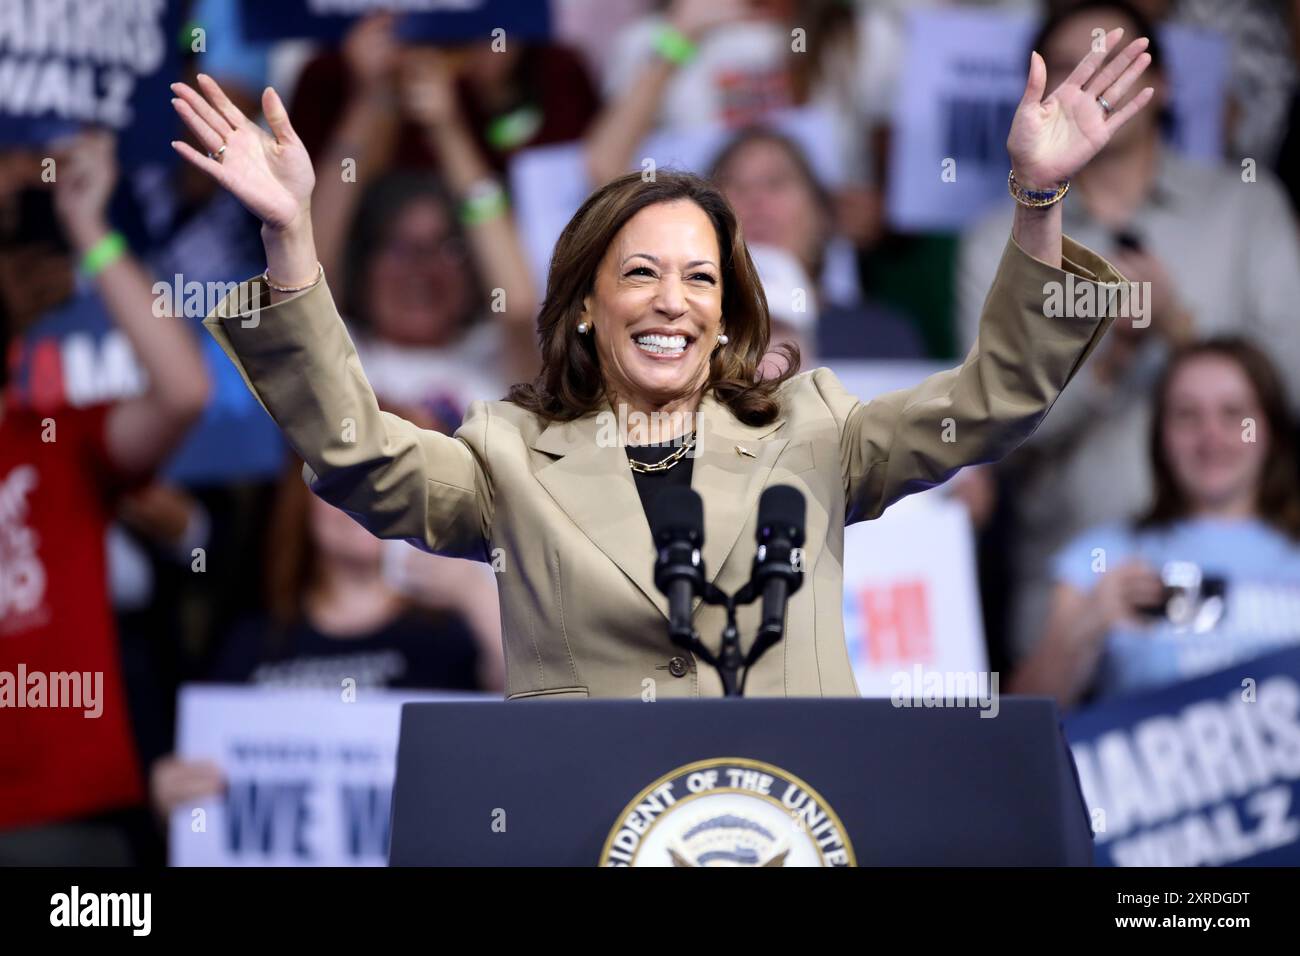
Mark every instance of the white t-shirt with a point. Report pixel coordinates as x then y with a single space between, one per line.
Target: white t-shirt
442 381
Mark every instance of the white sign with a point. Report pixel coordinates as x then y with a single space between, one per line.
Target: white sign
963 75
911 598
911 593
309 777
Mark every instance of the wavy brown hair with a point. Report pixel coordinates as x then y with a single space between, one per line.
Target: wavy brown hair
1278 496
570 384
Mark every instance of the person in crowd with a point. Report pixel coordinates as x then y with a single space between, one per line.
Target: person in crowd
1210 253
780 202
1262 72
432 275
525 95
700 64
790 306
336 608
420 257
337 612
1209 576
68 784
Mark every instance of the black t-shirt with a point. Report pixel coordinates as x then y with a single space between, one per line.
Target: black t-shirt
415 650
649 485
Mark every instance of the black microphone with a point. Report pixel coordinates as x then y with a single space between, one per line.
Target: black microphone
778 570
676 517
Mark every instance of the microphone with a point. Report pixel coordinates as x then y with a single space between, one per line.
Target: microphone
677 523
775 575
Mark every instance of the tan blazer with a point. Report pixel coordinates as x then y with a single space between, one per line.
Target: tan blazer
557 513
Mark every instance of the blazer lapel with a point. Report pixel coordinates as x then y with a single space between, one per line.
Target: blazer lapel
732 463
592 483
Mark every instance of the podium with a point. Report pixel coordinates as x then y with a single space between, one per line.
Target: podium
758 782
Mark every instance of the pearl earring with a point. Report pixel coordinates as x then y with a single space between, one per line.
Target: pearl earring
582 328
722 339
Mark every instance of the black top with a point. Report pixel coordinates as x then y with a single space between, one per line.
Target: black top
415 650
647 486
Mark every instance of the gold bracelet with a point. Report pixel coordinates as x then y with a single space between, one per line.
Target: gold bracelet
1035 198
266 277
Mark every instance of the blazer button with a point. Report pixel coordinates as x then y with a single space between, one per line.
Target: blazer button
678 667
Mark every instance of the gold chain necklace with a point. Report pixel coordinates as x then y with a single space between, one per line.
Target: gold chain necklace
658 466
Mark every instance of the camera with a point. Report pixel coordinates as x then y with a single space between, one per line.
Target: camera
1192 600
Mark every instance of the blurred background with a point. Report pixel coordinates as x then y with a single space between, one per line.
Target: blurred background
1144 540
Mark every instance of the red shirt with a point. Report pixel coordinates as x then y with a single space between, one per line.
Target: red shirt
56 500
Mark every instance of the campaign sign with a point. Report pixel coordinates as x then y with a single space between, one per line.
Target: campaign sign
309 776
911 594
1203 773
444 21
911 598
963 75
86 62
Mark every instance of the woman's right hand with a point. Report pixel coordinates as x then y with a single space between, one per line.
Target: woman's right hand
270 173
1123 592
177 782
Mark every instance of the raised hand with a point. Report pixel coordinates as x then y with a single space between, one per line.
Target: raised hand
270 173
428 87
87 172
1051 139
371 51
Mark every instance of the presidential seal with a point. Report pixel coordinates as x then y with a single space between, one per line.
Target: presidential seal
728 811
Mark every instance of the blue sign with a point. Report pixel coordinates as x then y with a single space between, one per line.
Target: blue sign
438 21
78 63
1203 773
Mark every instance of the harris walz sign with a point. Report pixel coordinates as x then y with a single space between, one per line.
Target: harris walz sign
1203 773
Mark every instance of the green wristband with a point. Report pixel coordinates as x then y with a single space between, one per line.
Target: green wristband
103 254
673 45
515 128
485 202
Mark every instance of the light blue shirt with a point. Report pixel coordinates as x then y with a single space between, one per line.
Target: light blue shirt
1261 607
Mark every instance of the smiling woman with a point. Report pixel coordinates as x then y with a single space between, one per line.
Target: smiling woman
653 314
633 316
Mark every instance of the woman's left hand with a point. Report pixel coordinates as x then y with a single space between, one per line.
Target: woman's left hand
1051 139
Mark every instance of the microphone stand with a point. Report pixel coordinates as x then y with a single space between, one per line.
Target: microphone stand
729 662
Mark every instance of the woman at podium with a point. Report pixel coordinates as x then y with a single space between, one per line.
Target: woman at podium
651 333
